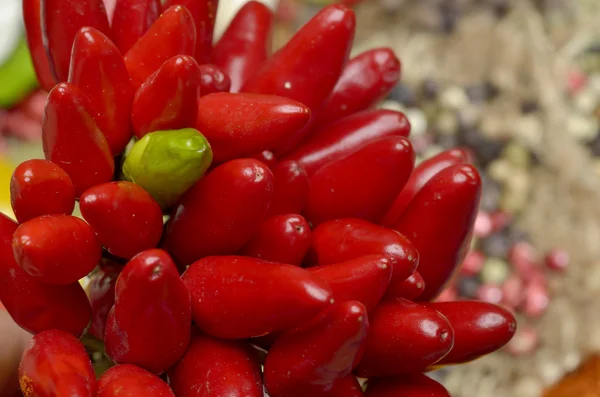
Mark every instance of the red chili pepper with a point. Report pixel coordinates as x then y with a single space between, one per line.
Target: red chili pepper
479 328
245 44
62 307
204 13
217 367
213 79
101 294
451 199
126 380
149 284
61 20
414 385
421 175
426 337
56 364
346 239
309 359
39 56
174 33
281 238
40 187
348 135
322 47
410 289
241 124
364 279
362 185
236 297
366 80
72 139
56 249
220 214
168 100
98 69
291 189
133 18
125 218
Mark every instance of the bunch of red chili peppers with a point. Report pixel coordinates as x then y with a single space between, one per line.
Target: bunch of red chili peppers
298 248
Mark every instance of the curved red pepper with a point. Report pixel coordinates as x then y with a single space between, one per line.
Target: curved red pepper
126 380
217 367
362 185
72 139
236 297
281 238
204 13
219 214
213 79
410 289
309 359
98 69
267 158
101 293
244 46
364 279
241 124
366 79
439 222
61 20
131 19
37 306
420 176
39 56
307 68
348 135
149 284
174 33
414 385
168 100
291 189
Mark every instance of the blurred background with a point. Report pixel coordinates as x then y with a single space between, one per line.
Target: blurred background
518 82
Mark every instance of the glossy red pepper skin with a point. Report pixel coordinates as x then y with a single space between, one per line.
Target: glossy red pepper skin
267 158
40 187
206 223
291 189
421 175
426 337
410 289
213 79
101 294
364 279
451 199
124 216
72 139
203 13
362 185
56 364
414 385
126 380
214 367
346 387
366 80
168 100
311 358
348 135
281 238
322 45
241 124
244 46
346 239
61 20
37 306
480 328
149 284
131 19
237 297
56 249
174 33
98 69
39 56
